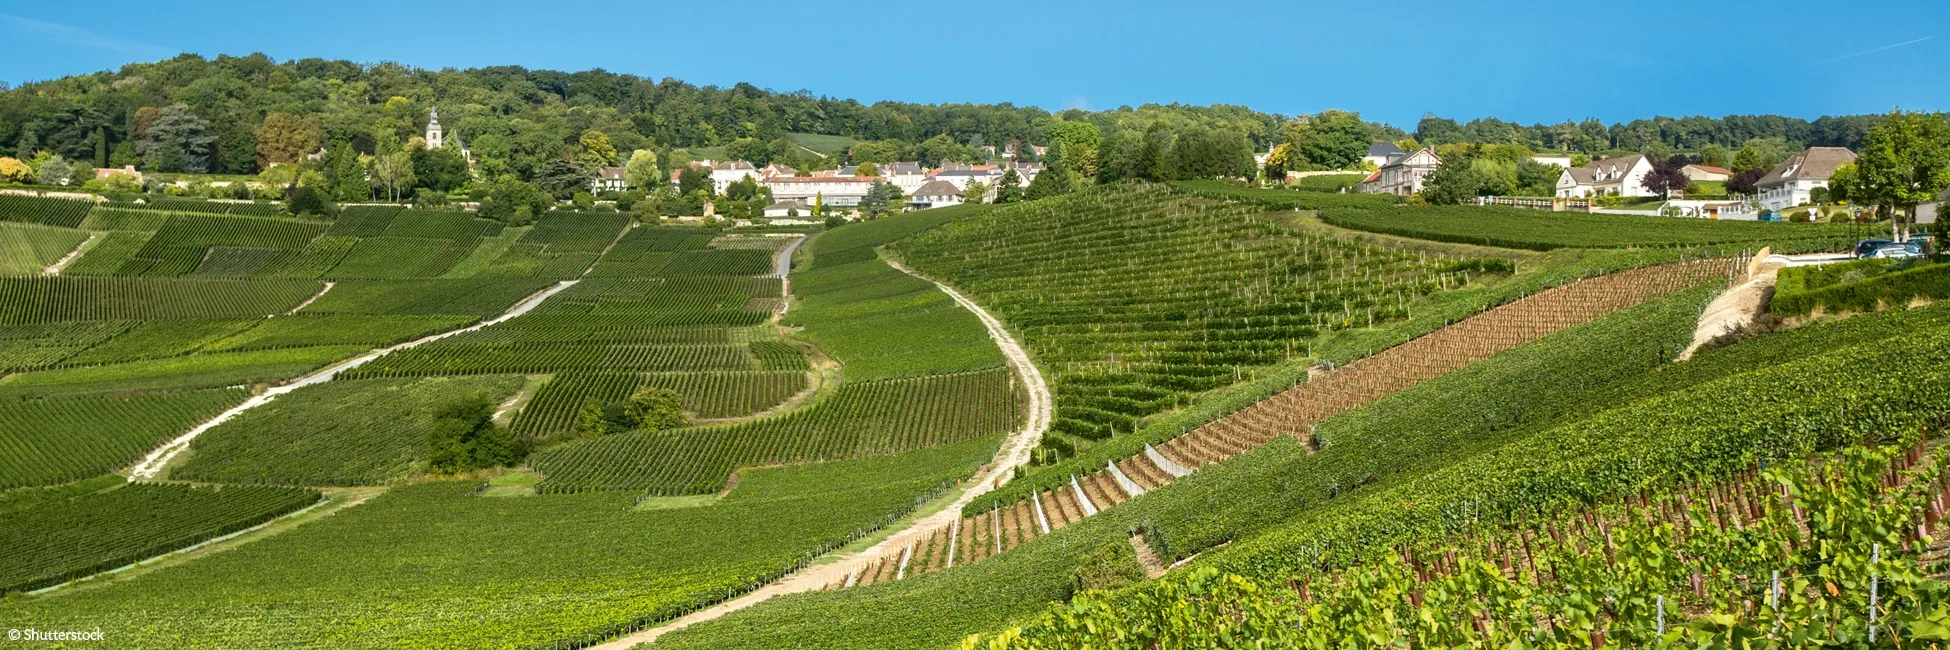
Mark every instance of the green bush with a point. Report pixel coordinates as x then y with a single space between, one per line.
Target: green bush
1112 564
1861 285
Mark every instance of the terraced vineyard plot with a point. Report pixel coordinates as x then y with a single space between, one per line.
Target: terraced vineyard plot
425 224
66 213
186 205
108 256
432 565
728 262
337 433
157 339
659 302
40 345
483 297
557 406
336 329
859 420
55 440
56 542
882 323
444 358
363 220
185 240
28 249
1135 299
176 373
1295 411
236 261
55 299
576 233
480 262
317 259
107 218
400 257
644 251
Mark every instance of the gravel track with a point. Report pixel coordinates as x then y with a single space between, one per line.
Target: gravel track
1014 451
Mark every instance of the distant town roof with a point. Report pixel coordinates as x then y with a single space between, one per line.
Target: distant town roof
1710 168
1386 149
1815 164
610 173
937 188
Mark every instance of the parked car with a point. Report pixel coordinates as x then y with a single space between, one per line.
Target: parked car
1865 247
1903 251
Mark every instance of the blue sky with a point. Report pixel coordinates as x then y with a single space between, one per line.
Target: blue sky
1520 60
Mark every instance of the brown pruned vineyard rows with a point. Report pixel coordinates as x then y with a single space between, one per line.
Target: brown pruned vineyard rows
1295 410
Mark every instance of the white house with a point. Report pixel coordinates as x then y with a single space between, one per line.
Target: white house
608 179
787 209
1380 154
776 169
1793 182
1401 176
832 191
1622 176
725 173
936 194
1706 173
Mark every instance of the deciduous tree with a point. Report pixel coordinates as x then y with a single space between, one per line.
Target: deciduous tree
1905 161
286 139
1330 140
1667 176
642 171
178 141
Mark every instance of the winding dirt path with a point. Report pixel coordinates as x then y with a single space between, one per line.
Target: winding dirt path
314 298
153 464
1014 451
55 269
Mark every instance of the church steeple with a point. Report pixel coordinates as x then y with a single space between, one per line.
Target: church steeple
434 132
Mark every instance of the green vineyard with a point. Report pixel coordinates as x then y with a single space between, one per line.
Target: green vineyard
338 433
66 213
26 249
1136 299
1529 229
61 540
557 406
53 440
55 299
858 420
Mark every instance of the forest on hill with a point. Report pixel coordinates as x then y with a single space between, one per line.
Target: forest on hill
240 114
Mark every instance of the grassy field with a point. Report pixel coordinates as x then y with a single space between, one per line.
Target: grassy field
823 144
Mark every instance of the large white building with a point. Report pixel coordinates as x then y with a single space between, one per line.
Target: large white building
830 191
1621 176
1793 182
